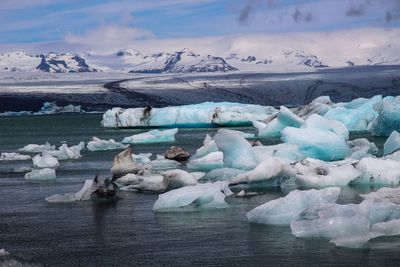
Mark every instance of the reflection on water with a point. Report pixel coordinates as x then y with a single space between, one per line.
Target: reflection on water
127 232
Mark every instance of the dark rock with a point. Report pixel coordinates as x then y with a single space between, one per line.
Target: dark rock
176 153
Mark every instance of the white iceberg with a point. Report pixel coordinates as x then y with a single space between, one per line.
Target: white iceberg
362 148
83 194
222 174
97 144
124 163
237 151
392 143
13 156
153 136
41 175
204 114
284 210
34 148
277 122
320 174
45 161
211 161
208 147
191 198
378 171
65 152
161 164
52 108
142 158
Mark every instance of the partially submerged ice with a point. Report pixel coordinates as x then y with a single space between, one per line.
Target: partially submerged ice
319 138
97 144
41 175
392 144
52 108
125 163
352 225
153 136
196 197
66 152
284 210
196 115
45 161
34 148
211 161
277 122
13 156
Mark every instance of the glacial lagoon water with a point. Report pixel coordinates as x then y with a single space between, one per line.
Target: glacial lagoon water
128 232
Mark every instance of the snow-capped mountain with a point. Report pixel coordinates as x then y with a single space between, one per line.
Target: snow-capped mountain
51 62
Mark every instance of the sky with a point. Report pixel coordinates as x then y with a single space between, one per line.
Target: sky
77 25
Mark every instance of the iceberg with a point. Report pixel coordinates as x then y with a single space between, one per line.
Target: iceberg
272 170
41 175
388 119
52 108
142 158
124 163
392 144
222 174
211 161
238 153
194 198
286 152
45 161
65 152
13 156
97 144
208 147
161 164
153 136
284 210
196 115
314 173
357 115
320 105
277 122
34 148
378 171
362 148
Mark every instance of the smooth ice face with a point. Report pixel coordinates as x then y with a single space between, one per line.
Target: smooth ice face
124 163
214 160
388 119
34 148
357 115
282 119
378 171
323 145
100 145
13 156
208 113
237 151
190 198
45 161
208 147
320 123
362 148
319 174
392 143
65 152
41 174
161 164
286 152
283 211
269 169
153 136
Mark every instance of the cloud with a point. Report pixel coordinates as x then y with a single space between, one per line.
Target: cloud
108 38
356 11
246 11
299 16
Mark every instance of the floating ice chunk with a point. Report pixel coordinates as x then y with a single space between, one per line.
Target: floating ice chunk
362 148
286 152
41 174
208 147
65 152
378 171
277 123
283 211
13 156
208 113
34 148
320 174
142 158
388 119
222 174
357 115
45 161
267 170
161 164
200 196
324 145
211 161
153 136
323 124
319 105
124 163
99 145
392 143
237 151
52 108
83 194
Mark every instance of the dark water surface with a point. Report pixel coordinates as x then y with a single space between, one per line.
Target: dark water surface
128 232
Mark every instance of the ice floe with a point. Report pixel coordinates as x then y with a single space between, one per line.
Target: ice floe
97 144
211 161
65 152
153 136
161 164
5 156
34 148
45 161
378 171
41 175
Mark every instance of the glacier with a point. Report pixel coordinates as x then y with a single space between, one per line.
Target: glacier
153 136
